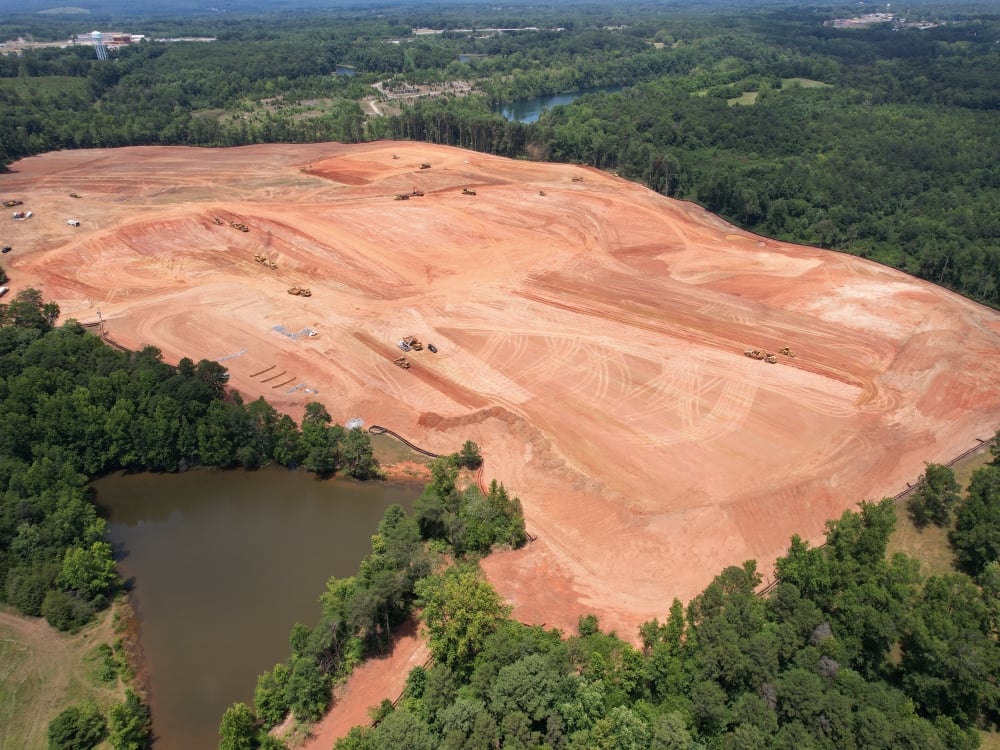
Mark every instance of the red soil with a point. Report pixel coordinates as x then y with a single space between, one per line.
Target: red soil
590 340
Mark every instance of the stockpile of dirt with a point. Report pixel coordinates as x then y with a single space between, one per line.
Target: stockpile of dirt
590 335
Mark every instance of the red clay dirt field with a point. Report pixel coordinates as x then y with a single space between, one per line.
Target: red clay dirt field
590 335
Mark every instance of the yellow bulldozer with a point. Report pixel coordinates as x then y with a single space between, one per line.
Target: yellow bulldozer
413 342
300 291
402 362
786 351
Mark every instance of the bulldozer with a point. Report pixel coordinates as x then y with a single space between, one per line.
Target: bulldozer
761 354
11 204
300 291
259 258
413 343
217 221
402 196
577 179
402 362
786 351
417 193
74 195
425 165
466 191
239 225
271 264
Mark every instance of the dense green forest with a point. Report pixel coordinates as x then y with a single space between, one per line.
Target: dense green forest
877 141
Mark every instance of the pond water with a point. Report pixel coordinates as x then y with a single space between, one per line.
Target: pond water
223 564
529 110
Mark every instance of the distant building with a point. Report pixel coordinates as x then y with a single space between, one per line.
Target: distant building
110 39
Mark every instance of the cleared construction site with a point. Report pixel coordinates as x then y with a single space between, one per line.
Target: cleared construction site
666 393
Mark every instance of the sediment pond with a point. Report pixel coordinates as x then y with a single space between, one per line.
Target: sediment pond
222 565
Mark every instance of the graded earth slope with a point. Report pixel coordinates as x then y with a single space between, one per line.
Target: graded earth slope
590 335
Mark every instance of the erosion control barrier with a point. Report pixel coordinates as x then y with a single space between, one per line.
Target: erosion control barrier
380 430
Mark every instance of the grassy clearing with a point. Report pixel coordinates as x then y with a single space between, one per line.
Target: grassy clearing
806 83
397 460
747 97
930 545
390 451
43 672
991 740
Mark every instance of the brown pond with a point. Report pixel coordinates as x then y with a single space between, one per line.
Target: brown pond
223 564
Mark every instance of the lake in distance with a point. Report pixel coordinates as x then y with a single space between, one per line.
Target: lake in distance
529 110
223 564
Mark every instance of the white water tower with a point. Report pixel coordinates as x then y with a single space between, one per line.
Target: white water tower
98 38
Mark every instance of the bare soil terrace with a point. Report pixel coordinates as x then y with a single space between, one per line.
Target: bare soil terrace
590 335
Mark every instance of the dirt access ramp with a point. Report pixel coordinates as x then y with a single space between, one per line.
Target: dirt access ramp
590 335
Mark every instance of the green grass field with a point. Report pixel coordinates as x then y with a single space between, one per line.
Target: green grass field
747 97
806 83
750 97
43 672
930 544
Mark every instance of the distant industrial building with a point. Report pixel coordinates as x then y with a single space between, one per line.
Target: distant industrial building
105 41
109 39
